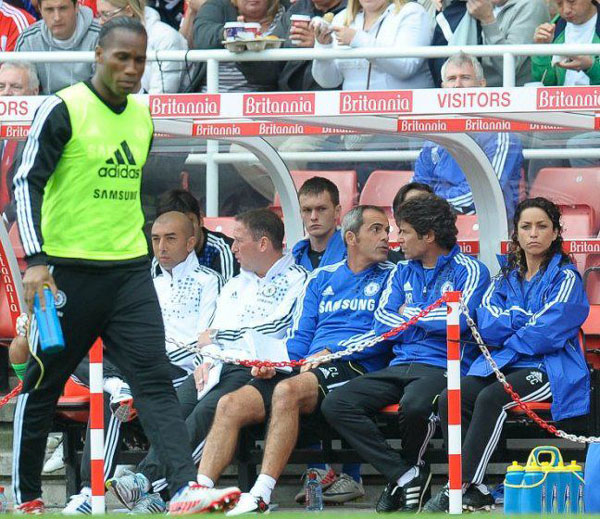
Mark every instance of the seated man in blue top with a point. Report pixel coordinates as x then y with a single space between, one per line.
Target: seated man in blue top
320 208
334 312
531 313
416 375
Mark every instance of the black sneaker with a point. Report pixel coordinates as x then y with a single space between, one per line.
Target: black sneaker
408 498
440 503
478 497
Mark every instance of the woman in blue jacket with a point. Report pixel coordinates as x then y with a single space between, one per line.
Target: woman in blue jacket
531 316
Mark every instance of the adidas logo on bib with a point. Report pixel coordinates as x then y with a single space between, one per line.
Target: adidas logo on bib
121 164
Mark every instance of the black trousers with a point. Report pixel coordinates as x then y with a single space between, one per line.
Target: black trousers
120 306
484 404
198 415
351 410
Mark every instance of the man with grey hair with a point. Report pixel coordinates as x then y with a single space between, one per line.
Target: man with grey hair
438 169
18 78
335 311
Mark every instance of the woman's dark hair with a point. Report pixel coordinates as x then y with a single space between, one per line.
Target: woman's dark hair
516 256
401 194
430 213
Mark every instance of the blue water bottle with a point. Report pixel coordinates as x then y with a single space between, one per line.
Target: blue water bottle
533 493
512 488
51 336
558 489
576 487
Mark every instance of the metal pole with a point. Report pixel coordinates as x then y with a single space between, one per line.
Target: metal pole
212 147
508 70
97 428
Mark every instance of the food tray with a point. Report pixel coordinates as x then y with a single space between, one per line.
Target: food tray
256 45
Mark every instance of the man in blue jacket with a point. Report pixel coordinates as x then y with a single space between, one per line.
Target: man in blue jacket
416 375
320 208
436 167
334 312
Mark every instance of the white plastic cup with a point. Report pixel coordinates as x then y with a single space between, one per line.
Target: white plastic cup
252 30
232 29
299 20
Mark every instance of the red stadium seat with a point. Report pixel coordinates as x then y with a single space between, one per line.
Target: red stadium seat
74 402
591 336
223 224
381 188
346 181
468 228
571 187
577 224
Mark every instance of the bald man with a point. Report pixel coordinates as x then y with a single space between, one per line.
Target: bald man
187 294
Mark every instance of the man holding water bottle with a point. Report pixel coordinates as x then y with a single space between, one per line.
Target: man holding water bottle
80 220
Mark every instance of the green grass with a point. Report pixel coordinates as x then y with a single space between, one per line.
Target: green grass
300 514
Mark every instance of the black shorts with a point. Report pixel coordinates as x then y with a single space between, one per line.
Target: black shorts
329 376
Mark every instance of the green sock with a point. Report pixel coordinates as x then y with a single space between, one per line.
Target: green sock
20 369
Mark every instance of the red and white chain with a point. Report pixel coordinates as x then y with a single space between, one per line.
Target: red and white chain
513 394
355 348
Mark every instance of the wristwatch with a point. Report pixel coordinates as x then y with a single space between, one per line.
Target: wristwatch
212 335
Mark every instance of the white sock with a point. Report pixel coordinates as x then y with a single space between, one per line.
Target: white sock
263 487
205 481
411 473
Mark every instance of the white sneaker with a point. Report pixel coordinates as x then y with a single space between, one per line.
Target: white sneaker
79 504
197 499
129 488
54 462
249 504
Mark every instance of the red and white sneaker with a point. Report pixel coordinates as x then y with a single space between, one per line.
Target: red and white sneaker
197 499
33 507
249 504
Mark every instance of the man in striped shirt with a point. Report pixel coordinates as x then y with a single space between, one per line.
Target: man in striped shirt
253 307
13 21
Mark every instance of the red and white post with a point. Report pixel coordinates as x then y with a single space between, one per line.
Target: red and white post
97 428
454 433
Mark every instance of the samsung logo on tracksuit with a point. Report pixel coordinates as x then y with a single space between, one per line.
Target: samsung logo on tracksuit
347 304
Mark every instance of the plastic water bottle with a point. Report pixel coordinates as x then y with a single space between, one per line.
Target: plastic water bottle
3 502
577 486
513 488
51 336
314 493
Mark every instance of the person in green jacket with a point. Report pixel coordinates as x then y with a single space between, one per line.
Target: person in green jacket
577 22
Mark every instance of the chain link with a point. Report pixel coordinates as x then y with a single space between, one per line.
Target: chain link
355 348
6 398
513 394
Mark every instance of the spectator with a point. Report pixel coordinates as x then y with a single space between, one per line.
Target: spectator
436 167
26 5
13 21
64 26
490 22
523 315
208 34
577 22
253 307
334 311
416 375
159 77
187 293
16 79
383 23
212 248
319 200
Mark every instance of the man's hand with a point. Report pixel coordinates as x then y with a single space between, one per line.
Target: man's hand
204 339
201 375
262 372
482 10
313 361
302 35
34 280
579 63
344 35
544 33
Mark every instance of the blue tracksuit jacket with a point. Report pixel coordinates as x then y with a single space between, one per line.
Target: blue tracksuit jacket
336 310
335 251
436 168
425 342
544 323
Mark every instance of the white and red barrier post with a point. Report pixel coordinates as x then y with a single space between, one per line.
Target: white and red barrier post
454 406
97 428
